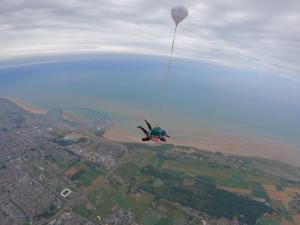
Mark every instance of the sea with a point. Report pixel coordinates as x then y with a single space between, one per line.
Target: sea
196 96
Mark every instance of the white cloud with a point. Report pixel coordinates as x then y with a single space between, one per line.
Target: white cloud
264 35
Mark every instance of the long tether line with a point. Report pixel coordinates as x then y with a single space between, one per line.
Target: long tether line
165 85
165 82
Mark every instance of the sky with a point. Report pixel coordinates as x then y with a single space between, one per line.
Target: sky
263 35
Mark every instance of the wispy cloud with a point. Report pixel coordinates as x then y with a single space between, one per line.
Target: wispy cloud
264 35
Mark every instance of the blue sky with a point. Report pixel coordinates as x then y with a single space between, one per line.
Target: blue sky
261 35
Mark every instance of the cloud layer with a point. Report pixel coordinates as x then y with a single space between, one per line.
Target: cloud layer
262 35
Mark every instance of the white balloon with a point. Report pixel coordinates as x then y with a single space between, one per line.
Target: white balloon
179 13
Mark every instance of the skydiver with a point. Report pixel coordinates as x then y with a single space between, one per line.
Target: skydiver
154 134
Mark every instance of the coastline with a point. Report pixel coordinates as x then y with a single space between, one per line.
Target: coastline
230 145
226 144
24 105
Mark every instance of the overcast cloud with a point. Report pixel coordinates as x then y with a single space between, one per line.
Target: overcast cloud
257 34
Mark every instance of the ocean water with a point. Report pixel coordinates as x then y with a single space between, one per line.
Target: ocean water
199 96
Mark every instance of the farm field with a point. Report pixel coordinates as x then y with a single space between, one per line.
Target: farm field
161 186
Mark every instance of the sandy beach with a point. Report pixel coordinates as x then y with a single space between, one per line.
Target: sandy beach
231 145
26 106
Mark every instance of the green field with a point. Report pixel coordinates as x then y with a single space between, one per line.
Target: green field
153 179
258 191
279 186
121 202
232 182
140 204
150 217
128 170
165 221
158 183
267 221
86 174
82 211
205 180
106 208
100 195
174 173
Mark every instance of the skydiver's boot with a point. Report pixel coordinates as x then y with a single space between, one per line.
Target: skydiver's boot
148 125
162 139
146 139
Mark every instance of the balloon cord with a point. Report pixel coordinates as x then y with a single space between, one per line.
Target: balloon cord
165 82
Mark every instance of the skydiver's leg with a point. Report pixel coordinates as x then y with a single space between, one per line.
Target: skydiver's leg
144 130
162 139
148 124
146 139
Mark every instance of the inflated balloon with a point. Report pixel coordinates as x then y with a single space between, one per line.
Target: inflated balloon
179 13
